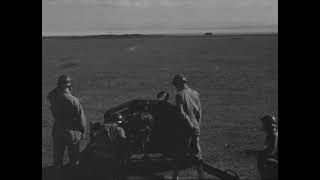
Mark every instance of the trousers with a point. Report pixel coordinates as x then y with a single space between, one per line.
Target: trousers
267 167
66 139
188 145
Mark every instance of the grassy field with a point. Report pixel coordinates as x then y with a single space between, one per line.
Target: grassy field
237 77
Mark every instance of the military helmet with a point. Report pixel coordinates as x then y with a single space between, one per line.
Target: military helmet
270 120
162 95
117 117
64 80
179 78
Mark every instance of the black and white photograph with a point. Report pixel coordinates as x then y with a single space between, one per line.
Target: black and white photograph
160 89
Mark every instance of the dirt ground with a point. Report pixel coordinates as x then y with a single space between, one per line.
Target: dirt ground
237 77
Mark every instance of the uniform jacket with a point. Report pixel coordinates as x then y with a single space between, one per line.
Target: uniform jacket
271 144
67 111
191 114
107 141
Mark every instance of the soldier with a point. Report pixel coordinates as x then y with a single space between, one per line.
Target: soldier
69 122
189 114
268 158
107 153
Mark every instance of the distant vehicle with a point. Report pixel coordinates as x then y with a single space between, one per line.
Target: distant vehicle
208 34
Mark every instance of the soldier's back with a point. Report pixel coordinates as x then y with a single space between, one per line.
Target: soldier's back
62 107
191 104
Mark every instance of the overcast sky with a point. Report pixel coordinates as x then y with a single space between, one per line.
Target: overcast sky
158 16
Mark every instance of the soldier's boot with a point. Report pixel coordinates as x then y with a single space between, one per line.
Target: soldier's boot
199 168
200 172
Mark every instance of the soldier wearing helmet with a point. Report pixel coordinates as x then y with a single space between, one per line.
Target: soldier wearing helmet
189 115
117 117
69 122
107 148
268 158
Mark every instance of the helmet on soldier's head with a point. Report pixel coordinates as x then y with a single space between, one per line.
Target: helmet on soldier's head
270 120
64 81
179 78
163 96
117 117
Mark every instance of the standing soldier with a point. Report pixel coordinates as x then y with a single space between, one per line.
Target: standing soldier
189 110
69 122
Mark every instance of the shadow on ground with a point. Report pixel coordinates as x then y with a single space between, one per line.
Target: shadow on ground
138 169
51 173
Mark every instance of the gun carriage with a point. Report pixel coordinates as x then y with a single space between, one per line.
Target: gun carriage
150 125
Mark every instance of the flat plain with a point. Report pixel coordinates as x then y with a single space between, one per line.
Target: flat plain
236 75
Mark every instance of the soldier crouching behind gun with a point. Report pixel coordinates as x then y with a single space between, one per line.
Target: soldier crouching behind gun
107 153
69 122
268 158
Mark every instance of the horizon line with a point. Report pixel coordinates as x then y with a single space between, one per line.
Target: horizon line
154 34
193 31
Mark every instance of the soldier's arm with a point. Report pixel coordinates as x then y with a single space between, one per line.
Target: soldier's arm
81 117
83 120
272 147
181 111
52 94
121 134
275 150
200 110
50 97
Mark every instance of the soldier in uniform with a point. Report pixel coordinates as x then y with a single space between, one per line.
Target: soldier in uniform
107 153
69 122
189 116
268 158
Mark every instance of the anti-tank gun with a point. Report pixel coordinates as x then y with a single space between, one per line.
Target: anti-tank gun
150 125
138 123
